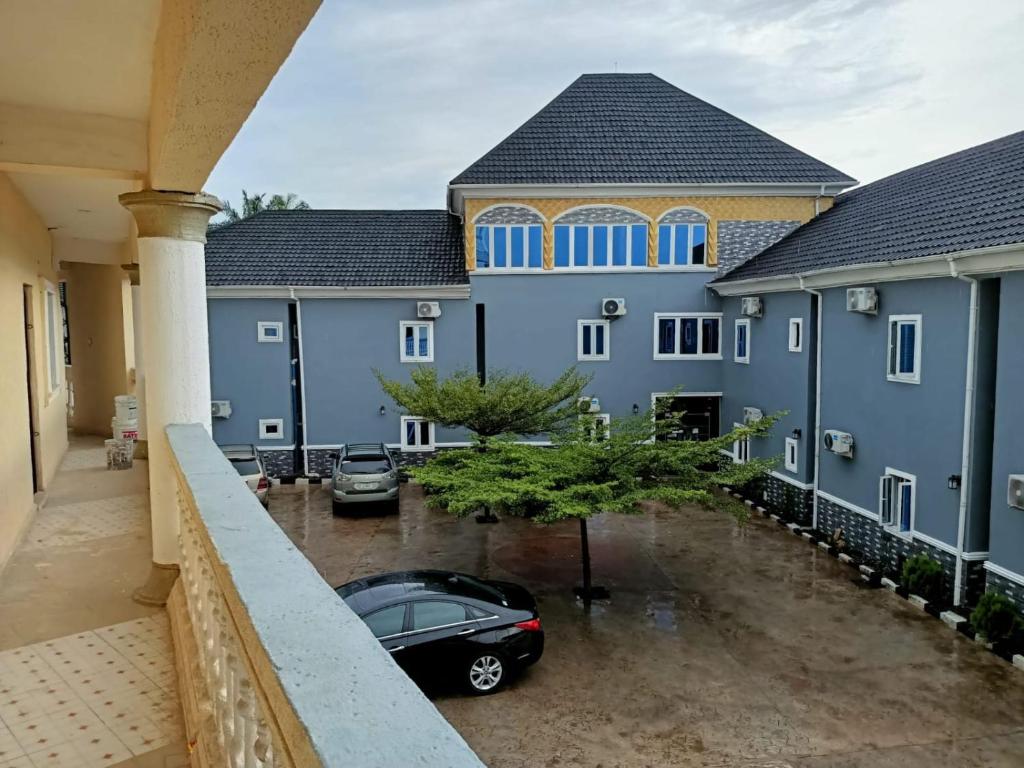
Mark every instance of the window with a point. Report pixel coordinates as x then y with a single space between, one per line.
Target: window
63 287
682 238
387 621
592 340
417 434
600 237
740 448
509 237
430 614
905 348
691 335
271 429
741 351
52 323
268 331
896 501
792 454
597 426
796 334
416 341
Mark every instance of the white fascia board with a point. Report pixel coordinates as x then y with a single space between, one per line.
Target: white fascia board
1000 258
461 192
418 292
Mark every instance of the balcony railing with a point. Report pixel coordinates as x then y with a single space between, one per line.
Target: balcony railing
274 669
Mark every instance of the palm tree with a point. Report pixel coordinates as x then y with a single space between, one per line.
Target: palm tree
253 204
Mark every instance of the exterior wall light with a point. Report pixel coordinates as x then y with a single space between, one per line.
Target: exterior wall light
797 433
953 482
636 409
382 410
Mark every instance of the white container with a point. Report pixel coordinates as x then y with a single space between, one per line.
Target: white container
126 407
125 429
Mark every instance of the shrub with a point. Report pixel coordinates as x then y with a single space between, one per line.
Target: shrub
923 576
997 619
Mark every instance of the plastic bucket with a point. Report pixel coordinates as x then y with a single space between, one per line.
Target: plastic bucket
126 407
125 429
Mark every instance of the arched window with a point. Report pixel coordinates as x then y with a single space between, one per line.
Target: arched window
600 237
682 238
509 237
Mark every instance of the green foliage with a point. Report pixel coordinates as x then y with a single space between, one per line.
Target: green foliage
997 619
253 204
589 470
507 404
923 576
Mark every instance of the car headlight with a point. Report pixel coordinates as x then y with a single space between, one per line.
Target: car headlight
392 474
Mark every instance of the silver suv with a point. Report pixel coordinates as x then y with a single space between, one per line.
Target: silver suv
364 473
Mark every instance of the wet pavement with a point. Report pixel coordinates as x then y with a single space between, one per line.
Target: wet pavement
721 645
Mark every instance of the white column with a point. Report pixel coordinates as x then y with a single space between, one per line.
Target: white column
172 282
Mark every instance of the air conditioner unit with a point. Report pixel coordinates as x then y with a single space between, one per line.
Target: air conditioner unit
613 307
220 409
840 443
1015 491
428 309
750 415
862 300
588 405
751 306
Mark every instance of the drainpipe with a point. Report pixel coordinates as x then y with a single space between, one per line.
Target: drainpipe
302 382
817 396
969 399
817 207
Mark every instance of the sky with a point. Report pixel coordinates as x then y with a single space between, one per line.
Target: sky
382 102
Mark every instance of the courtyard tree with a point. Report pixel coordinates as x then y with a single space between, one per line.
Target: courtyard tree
594 468
500 403
258 202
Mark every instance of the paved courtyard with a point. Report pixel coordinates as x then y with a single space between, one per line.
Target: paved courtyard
721 646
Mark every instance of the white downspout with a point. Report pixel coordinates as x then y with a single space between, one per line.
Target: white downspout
969 400
302 383
817 399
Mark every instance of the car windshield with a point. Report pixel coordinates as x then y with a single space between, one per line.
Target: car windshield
365 465
246 466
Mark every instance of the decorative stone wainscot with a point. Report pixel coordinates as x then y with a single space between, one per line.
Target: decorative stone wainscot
279 463
994 582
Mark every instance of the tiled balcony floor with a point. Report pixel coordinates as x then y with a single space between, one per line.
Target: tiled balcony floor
86 675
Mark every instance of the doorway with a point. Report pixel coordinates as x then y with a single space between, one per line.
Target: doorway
693 417
30 382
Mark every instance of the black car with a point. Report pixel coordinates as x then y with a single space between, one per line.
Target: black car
444 626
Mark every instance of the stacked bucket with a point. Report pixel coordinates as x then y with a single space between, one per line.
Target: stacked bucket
125 428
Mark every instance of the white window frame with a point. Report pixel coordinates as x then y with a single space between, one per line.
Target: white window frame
406 447
796 334
892 523
792 454
894 375
740 323
740 448
508 248
599 418
606 355
261 331
54 325
700 355
267 423
429 357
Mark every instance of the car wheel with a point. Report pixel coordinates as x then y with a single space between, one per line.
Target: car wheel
394 506
485 673
337 508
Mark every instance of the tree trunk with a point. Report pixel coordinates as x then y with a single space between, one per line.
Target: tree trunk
585 559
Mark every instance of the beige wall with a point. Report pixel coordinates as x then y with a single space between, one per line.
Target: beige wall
25 259
99 364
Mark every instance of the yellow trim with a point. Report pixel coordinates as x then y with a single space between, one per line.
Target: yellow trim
715 208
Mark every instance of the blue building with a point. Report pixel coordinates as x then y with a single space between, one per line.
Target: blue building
882 321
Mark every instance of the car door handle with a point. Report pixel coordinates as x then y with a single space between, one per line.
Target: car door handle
466 631
396 648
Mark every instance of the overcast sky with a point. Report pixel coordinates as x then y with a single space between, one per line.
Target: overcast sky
383 102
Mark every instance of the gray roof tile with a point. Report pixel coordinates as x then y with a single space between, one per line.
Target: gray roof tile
338 248
639 129
967 200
